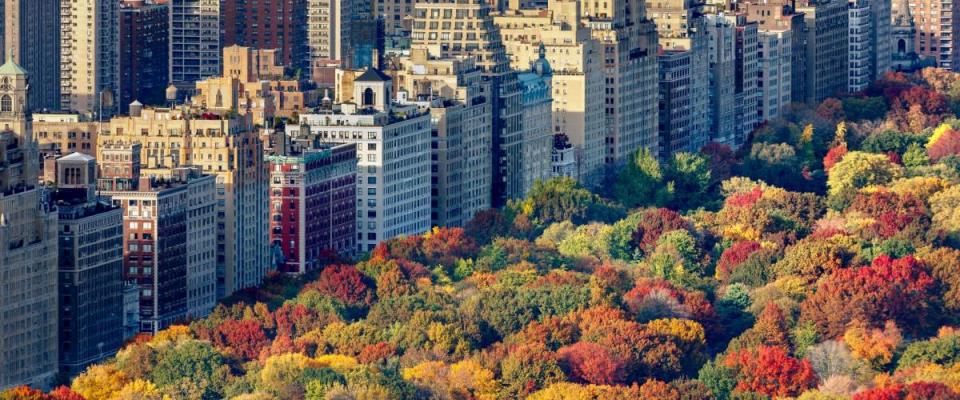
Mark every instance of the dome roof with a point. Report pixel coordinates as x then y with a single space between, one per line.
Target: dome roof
542 66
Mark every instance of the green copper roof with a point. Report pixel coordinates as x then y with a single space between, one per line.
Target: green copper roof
11 68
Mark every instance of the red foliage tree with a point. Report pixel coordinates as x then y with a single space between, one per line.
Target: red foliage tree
745 199
294 320
734 256
376 352
893 213
946 145
654 223
245 339
771 371
487 225
721 160
881 393
592 363
930 102
834 155
830 109
930 391
65 393
344 283
888 289
447 245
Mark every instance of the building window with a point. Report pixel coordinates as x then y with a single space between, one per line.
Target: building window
6 104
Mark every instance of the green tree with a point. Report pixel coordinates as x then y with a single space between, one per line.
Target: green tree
194 361
856 171
690 175
642 182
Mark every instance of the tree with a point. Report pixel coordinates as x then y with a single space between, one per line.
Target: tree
344 283
642 182
446 245
945 206
874 346
24 393
193 361
527 369
946 144
99 382
561 199
592 363
690 175
734 256
888 289
65 393
654 223
720 161
834 155
245 339
858 170
943 350
771 371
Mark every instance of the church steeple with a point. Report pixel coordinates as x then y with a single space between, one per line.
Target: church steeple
13 90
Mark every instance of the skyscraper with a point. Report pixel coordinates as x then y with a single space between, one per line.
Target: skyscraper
28 247
268 24
194 42
88 56
143 53
937 25
828 50
91 263
31 36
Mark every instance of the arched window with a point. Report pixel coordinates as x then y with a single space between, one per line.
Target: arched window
219 99
6 104
902 46
369 98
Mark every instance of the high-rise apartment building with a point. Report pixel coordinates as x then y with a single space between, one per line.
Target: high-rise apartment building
722 72
144 47
449 89
774 62
35 46
329 24
226 146
267 24
194 42
89 34
681 27
862 52
779 18
629 47
28 247
675 103
578 77
312 205
451 28
827 31
90 278
937 25
393 157
160 224
537 102
746 88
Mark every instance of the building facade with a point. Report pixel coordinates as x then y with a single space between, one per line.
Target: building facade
34 46
143 54
827 28
313 206
722 73
393 158
775 76
328 30
675 103
62 134
194 42
267 24
537 102
90 278
937 24
28 248
89 34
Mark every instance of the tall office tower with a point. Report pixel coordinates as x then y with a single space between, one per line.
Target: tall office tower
774 54
881 37
313 205
681 26
722 72
226 146
903 36
28 247
537 102
578 77
746 90
629 42
827 48
30 34
267 24
398 20
157 216
366 44
89 34
393 157
144 53
675 113
194 42
91 265
861 47
328 29
937 25
461 140
450 28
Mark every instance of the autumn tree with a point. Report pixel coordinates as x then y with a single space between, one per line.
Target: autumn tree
592 363
771 371
344 283
858 170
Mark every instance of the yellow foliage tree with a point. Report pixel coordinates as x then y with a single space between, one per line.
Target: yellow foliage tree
99 382
174 333
875 346
140 389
